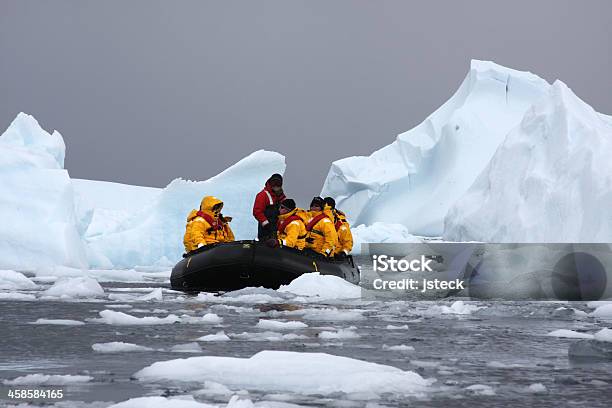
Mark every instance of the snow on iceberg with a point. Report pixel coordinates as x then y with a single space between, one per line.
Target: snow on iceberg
554 166
39 224
286 371
415 180
157 231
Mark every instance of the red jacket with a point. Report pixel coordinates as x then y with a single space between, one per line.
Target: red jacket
263 199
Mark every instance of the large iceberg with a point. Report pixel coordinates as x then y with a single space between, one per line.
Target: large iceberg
549 181
154 234
39 225
417 178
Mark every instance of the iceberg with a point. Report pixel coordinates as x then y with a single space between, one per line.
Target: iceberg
39 223
287 371
154 235
549 181
417 178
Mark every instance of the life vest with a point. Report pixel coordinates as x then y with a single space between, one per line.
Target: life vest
215 224
314 221
287 221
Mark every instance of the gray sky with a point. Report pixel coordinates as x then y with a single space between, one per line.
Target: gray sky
147 91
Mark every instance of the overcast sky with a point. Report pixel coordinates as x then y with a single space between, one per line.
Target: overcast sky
147 91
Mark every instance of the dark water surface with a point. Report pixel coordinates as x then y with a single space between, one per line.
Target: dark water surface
502 346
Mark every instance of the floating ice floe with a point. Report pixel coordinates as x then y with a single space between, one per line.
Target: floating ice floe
603 312
11 280
212 318
458 307
322 287
123 319
267 336
570 334
219 336
400 347
603 335
82 287
285 371
118 347
161 402
537 388
481 389
340 334
393 327
322 314
156 295
17 296
44 379
59 322
278 325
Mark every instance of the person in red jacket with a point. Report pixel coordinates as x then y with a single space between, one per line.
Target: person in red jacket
265 208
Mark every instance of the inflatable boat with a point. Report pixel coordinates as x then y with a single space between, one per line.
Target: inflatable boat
236 265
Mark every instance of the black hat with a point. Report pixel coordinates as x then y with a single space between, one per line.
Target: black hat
330 201
275 180
318 202
288 204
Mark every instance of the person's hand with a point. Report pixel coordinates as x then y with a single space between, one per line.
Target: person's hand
272 243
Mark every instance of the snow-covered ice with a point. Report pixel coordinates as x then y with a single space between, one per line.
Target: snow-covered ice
306 373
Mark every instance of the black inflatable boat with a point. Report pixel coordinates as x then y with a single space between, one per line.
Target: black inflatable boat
240 264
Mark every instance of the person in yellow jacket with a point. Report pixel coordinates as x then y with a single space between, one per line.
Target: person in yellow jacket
204 226
291 230
321 235
343 228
